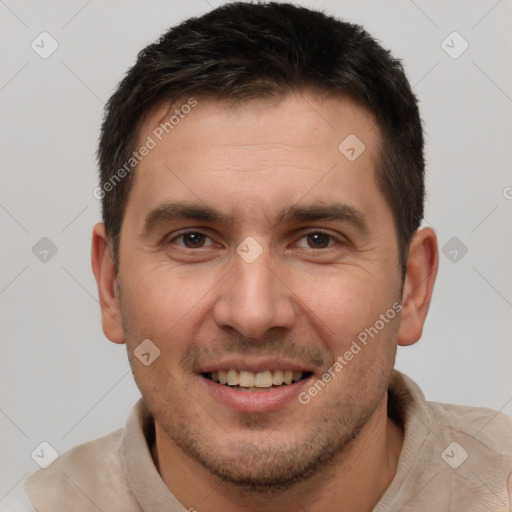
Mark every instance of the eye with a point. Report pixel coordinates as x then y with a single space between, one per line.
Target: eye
192 240
317 240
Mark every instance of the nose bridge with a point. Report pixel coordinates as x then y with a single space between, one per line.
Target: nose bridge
252 300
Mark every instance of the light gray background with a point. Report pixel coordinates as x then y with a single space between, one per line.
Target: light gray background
61 380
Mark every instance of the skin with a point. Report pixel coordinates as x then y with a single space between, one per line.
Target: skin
305 298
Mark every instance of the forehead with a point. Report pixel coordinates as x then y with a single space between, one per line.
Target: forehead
303 119
259 151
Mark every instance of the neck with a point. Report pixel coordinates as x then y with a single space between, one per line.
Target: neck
353 482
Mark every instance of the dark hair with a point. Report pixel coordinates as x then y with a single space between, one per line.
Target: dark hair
245 50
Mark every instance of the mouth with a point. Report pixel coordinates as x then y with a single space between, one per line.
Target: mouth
248 381
248 392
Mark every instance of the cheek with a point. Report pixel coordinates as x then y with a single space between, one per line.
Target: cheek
163 304
156 294
343 304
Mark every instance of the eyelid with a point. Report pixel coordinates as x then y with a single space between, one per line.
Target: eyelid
171 237
338 238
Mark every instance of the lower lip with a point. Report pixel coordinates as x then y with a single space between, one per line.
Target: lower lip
255 401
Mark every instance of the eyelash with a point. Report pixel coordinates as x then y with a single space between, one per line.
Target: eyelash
335 239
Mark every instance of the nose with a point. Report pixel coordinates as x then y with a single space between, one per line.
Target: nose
253 298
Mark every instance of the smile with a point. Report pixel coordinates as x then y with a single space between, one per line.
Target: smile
245 380
263 391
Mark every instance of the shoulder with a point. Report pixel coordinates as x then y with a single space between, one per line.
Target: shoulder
491 429
88 477
476 453
460 456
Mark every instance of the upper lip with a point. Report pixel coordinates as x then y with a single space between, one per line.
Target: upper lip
254 365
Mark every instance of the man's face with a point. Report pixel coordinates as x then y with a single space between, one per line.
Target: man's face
252 244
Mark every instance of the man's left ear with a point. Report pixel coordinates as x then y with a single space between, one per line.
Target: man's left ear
422 263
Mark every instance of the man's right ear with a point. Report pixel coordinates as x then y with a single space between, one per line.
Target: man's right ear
104 272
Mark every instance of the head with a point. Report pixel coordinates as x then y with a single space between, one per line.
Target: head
262 186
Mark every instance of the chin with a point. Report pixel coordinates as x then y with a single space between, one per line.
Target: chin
261 463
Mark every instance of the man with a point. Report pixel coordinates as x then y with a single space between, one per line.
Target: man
261 258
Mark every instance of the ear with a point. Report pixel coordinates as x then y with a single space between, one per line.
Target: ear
422 263
106 279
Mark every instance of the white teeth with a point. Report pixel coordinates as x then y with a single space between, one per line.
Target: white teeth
265 379
246 379
232 378
288 376
277 378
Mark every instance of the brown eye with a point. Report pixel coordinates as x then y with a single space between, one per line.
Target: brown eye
192 240
318 240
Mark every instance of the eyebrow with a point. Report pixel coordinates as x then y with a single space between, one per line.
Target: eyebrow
333 211
173 211
169 212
